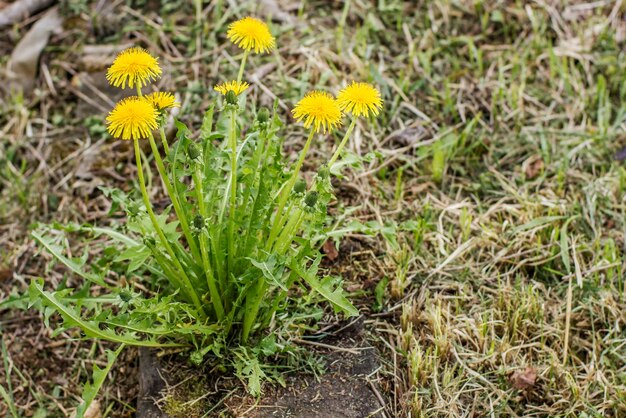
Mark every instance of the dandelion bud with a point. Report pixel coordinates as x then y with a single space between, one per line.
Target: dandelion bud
132 209
231 97
149 242
323 172
264 115
192 151
300 186
311 199
126 296
198 222
196 357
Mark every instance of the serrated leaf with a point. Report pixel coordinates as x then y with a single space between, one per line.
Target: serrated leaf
135 255
71 264
347 159
118 236
207 124
249 369
90 328
271 271
327 287
99 375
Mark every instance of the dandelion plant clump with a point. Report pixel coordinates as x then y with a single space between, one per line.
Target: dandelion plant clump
241 231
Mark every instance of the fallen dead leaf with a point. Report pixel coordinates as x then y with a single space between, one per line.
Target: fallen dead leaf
21 9
621 154
330 250
99 57
278 10
24 59
93 411
6 273
533 166
406 136
523 379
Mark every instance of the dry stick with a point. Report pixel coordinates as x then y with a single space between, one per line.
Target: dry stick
332 347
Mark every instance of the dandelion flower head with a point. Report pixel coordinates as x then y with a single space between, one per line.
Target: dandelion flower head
319 109
237 86
360 99
162 100
134 66
132 118
250 34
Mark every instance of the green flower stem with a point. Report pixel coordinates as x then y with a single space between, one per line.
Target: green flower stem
157 228
217 252
139 90
233 190
254 298
210 278
293 276
289 231
275 232
254 214
342 143
278 220
257 163
166 147
242 66
208 122
170 272
184 223
166 266
253 303
208 272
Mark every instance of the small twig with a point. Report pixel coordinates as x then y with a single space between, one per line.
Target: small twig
220 402
332 347
378 396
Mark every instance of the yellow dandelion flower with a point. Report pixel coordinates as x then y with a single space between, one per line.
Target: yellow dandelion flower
251 33
132 118
134 66
360 99
162 100
237 86
319 109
